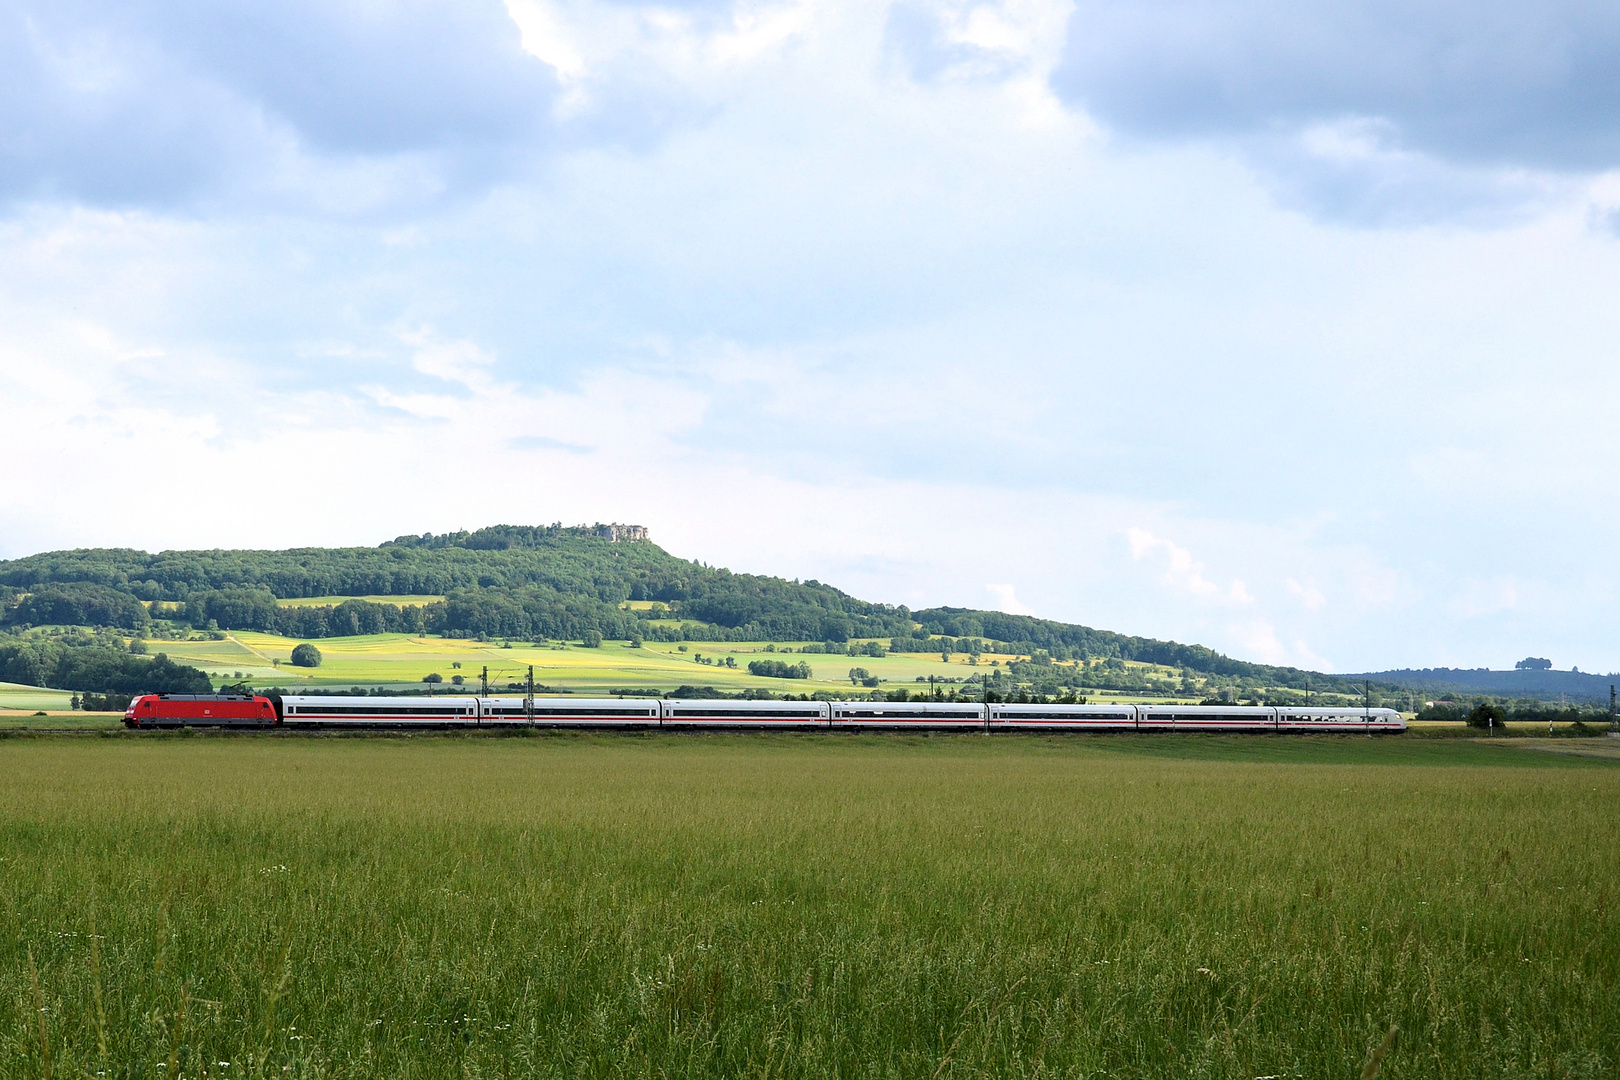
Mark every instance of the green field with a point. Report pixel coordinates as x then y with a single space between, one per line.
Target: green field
29 698
399 660
772 905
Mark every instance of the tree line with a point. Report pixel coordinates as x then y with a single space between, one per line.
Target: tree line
95 668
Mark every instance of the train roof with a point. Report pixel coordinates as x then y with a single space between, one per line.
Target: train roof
206 697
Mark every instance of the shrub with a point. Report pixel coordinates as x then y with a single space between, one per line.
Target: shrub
306 655
1486 715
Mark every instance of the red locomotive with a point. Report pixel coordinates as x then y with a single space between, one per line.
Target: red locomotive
201 710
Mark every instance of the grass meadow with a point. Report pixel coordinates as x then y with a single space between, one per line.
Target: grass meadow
638 906
401 659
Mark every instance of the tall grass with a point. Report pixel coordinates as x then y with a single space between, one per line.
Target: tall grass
733 906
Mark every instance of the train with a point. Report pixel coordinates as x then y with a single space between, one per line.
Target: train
307 712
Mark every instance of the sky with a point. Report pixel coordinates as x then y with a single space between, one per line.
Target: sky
1287 329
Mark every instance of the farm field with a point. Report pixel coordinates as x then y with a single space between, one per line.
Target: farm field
16 696
400 660
588 905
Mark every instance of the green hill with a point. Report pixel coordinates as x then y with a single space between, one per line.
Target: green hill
553 582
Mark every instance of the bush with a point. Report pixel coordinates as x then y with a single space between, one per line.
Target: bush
1486 715
592 639
306 655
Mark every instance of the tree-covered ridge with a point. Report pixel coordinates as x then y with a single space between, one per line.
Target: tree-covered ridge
490 570
540 582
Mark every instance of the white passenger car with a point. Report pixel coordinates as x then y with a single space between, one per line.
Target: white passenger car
1013 717
722 713
908 715
570 712
334 711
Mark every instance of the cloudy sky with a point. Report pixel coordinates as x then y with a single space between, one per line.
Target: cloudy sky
1287 328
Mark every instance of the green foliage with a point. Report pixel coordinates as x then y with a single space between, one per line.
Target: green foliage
433 677
93 666
1485 712
591 639
557 561
104 702
779 669
78 603
306 655
112 670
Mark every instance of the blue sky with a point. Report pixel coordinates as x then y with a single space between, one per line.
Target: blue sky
1287 329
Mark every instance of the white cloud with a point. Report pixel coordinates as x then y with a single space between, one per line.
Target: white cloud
1378 114
1006 601
1309 595
812 296
1182 571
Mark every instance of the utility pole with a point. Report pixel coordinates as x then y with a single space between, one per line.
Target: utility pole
528 699
1366 705
483 682
1613 724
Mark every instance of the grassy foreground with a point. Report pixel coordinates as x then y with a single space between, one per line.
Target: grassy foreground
759 905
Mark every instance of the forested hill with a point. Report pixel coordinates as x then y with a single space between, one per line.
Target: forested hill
534 582
1519 683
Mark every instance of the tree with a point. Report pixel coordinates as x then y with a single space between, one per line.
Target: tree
306 655
592 639
1533 663
1486 715
858 675
433 677
458 679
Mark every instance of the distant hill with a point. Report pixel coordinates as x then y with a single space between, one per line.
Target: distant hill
552 581
1524 683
